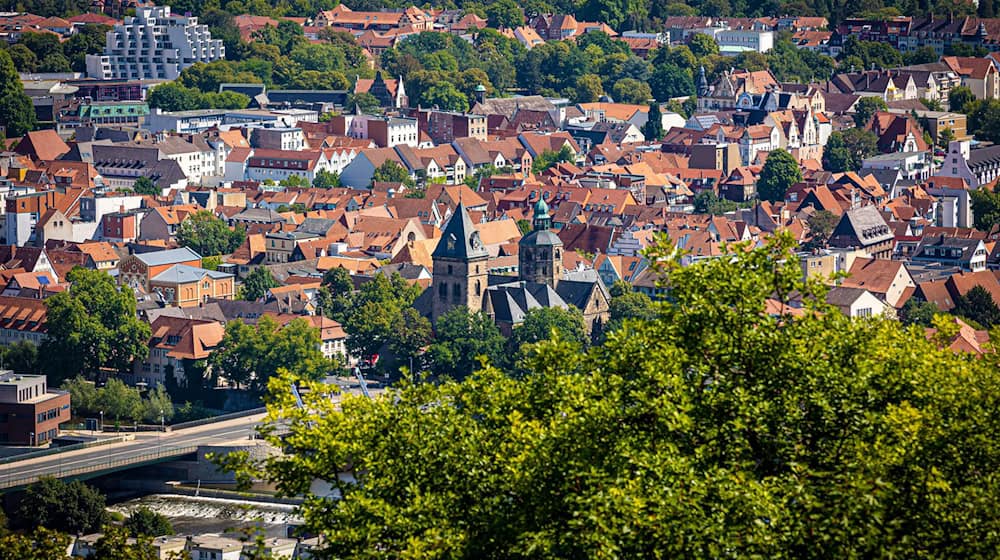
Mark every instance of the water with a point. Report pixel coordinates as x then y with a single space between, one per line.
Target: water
195 515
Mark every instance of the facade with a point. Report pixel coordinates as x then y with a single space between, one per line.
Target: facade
539 255
188 286
154 45
136 271
864 228
30 412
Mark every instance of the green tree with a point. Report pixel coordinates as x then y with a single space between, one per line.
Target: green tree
40 544
21 357
707 202
24 59
146 522
821 225
461 338
157 406
72 507
702 45
326 179
985 208
390 172
119 401
923 55
959 98
206 234
627 306
921 313
412 335
945 137
548 158
172 96
145 185
371 313
715 429
977 304
83 394
669 81
115 544
504 14
652 129
846 150
865 109
444 96
364 102
251 355
16 111
588 88
92 325
257 283
545 322
780 172
631 90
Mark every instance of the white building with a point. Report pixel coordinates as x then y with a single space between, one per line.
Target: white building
154 45
736 41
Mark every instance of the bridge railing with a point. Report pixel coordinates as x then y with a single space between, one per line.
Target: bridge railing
99 465
64 448
221 418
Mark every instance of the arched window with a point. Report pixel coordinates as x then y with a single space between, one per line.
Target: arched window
456 293
479 289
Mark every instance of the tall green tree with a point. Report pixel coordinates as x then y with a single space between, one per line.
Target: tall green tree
461 338
977 304
985 207
959 98
390 172
780 172
846 150
545 322
251 355
504 14
146 522
715 429
40 544
257 283
653 127
90 326
72 507
145 185
865 109
17 114
208 235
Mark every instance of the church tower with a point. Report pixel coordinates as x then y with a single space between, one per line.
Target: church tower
539 256
459 266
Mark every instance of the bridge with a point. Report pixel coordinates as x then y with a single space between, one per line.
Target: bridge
107 457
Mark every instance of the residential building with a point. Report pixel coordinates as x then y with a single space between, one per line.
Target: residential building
154 44
30 412
863 228
857 302
188 286
138 270
175 343
968 254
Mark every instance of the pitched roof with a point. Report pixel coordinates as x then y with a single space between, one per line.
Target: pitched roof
457 238
170 256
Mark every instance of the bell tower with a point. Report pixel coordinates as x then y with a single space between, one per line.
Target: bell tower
459 266
539 255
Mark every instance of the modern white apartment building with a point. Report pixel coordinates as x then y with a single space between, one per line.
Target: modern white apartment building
154 45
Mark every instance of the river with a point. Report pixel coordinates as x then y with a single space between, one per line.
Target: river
195 515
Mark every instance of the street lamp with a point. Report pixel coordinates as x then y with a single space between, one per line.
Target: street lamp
101 427
31 439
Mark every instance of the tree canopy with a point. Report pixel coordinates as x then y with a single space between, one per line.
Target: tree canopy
72 507
715 429
780 172
16 111
208 235
92 325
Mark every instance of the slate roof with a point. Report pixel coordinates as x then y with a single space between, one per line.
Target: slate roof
184 274
456 239
158 258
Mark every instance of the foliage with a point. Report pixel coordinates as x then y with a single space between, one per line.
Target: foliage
985 208
870 53
821 225
865 109
945 137
391 172
40 544
145 185
652 129
146 522
977 304
412 335
669 81
250 355
20 357
959 97
92 325
714 430
915 312
629 305
206 234
16 111
461 338
71 507
544 323
702 45
504 14
119 401
780 172
789 63
984 119
257 283
846 150
548 158
370 314
707 202
326 179
364 103
173 96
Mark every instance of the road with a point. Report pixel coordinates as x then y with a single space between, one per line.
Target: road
148 446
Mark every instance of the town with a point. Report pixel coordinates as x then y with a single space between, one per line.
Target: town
231 232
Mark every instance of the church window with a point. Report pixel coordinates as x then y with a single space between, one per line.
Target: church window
443 291
450 271
456 293
479 289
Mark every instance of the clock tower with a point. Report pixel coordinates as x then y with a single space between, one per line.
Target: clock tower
459 266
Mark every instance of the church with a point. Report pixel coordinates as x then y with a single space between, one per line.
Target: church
461 277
